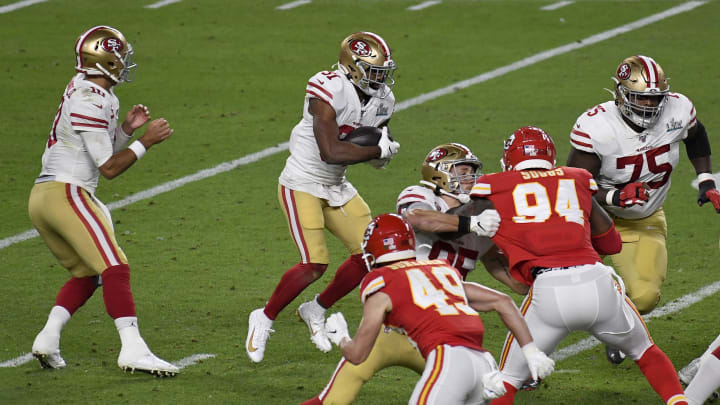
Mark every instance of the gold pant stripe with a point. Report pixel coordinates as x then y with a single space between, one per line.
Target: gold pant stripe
78 202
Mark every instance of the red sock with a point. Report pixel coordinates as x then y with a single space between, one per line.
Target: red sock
348 276
508 398
75 293
116 291
313 401
292 283
661 375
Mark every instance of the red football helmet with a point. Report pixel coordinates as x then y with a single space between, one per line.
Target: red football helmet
388 238
528 148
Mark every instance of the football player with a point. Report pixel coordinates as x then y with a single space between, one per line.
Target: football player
313 190
631 145
86 141
449 171
547 218
429 300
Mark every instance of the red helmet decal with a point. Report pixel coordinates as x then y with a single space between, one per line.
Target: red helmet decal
436 154
360 48
623 72
112 45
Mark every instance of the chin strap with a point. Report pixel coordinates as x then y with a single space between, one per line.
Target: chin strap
463 198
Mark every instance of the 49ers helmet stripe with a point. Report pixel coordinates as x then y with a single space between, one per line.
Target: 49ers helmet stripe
651 73
383 44
81 40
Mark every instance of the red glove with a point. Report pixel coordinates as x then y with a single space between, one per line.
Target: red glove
708 193
631 194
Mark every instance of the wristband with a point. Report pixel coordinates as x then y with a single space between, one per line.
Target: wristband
609 197
138 148
704 177
463 224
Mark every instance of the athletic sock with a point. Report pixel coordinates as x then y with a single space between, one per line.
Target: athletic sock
348 276
292 283
661 375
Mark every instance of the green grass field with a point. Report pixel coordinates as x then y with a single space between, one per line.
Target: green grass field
230 78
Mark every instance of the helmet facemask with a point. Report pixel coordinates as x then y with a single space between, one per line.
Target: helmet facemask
640 114
440 173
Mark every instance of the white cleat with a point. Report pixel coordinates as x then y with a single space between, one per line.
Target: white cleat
314 317
259 329
46 348
140 358
688 372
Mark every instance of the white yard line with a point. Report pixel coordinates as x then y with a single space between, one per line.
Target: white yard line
194 359
18 5
17 361
162 3
539 57
293 4
423 5
182 363
557 5
669 308
561 354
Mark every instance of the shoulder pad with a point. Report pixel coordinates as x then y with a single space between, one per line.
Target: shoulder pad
415 194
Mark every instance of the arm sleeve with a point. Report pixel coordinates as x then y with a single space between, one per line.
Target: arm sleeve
120 140
98 145
698 145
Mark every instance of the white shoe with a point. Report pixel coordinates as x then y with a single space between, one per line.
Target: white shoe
46 348
259 329
314 317
688 372
140 358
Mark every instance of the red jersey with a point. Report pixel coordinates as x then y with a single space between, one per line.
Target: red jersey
429 303
545 217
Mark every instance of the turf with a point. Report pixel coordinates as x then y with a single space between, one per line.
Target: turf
230 76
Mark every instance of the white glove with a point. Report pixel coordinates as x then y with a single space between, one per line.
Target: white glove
485 224
493 385
388 147
540 365
336 328
378 163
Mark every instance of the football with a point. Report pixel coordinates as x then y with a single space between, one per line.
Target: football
364 136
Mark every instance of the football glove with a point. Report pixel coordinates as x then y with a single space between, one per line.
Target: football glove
631 194
336 328
539 363
493 385
485 224
708 193
388 147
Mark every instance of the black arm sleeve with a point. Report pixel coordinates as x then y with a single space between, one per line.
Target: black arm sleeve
699 144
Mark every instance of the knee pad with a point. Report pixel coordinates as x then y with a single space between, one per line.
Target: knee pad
644 295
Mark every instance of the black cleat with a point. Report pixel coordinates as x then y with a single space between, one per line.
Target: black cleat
614 355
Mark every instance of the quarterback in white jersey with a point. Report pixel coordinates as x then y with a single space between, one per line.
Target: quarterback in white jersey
631 146
313 190
86 141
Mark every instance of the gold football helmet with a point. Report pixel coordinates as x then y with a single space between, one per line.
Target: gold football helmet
366 60
640 90
439 169
104 51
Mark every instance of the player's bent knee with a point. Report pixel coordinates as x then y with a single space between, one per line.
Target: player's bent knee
644 295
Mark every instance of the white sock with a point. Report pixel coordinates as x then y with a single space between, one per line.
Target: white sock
127 327
711 348
57 319
706 380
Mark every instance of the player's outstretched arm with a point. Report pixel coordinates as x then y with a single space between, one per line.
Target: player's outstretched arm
332 149
605 239
497 265
158 130
357 349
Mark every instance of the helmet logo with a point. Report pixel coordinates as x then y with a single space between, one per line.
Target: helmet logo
436 154
509 141
623 72
112 45
360 48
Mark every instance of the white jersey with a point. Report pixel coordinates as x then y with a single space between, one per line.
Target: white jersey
304 170
80 139
628 157
462 253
